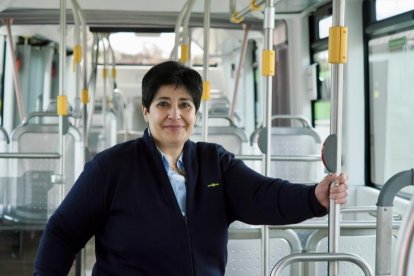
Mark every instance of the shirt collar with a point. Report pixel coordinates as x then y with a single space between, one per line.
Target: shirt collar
167 166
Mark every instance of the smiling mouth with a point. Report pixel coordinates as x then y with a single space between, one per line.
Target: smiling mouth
173 127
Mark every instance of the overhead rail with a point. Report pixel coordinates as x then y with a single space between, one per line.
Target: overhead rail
185 45
125 20
183 35
177 33
238 16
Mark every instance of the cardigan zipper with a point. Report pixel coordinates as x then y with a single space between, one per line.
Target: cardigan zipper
189 245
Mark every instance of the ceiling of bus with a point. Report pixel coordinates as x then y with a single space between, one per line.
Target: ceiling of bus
282 7
42 17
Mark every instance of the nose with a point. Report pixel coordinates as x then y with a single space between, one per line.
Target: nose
175 113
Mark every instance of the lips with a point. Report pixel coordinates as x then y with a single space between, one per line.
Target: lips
174 126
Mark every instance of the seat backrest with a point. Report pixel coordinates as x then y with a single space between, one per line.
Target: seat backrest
123 136
298 148
29 197
224 133
361 242
245 254
103 133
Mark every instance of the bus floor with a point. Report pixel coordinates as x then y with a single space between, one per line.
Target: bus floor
18 252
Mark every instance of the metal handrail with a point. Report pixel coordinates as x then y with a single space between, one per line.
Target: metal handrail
385 202
302 119
37 114
268 27
344 225
5 135
405 244
253 233
321 257
253 157
29 155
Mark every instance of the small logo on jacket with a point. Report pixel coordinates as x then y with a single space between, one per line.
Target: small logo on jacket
212 185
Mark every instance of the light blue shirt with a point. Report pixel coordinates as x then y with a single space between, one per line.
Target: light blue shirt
177 181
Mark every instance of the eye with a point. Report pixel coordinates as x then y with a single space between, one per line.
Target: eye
186 105
163 104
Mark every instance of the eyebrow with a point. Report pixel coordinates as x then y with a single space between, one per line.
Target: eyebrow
169 99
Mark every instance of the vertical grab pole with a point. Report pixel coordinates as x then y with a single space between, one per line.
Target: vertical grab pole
85 90
268 71
105 88
62 104
337 57
206 83
17 89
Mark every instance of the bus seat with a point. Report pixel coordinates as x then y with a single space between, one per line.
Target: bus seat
224 132
132 108
299 140
103 133
123 136
361 242
244 250
29 185
219 105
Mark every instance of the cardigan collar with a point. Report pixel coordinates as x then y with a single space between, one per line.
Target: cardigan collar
190 160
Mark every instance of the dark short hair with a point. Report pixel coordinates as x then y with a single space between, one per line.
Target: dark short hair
171 73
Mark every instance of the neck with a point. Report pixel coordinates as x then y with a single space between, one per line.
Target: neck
172 153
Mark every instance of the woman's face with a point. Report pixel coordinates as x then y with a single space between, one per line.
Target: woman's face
171 116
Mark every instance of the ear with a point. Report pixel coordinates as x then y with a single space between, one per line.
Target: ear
145 112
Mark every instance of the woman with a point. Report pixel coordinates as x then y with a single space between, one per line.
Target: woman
161 205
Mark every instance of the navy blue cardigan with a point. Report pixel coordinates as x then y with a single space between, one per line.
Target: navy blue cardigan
124 198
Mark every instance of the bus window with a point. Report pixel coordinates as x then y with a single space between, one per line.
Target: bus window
148 48
324 25
391 99
322 105
319 24
387 8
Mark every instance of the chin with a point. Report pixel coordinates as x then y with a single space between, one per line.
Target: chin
177 139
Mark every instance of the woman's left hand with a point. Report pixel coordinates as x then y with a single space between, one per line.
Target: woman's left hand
338 191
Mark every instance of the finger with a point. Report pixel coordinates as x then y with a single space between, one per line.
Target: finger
341 181
339 196
339 189
343 177
340 201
